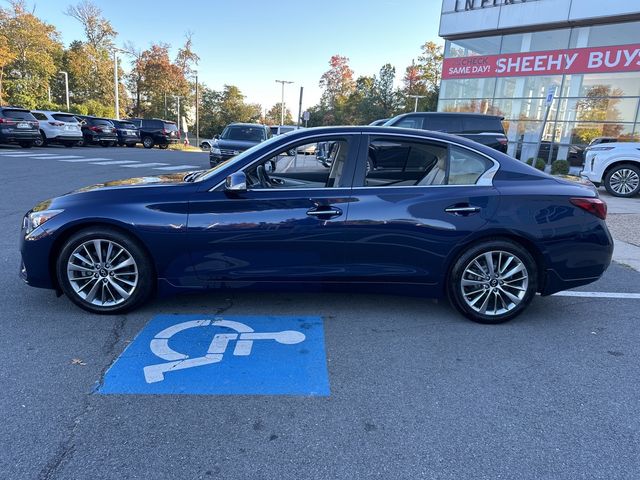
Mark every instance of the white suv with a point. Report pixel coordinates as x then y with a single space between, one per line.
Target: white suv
57 127
614 165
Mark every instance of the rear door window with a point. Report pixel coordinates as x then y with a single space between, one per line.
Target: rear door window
39 116
410 122
18 115
482 125
465 166
170 127
442 123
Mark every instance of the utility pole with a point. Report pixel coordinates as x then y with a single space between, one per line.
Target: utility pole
300 106
115 83
66 87
283 82
197 117
415 109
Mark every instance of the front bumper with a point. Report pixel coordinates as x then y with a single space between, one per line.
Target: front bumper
35 265
216 159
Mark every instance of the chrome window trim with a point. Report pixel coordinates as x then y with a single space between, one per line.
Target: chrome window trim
485 180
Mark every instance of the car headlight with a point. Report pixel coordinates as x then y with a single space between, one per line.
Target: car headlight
216 151
600 149
34 219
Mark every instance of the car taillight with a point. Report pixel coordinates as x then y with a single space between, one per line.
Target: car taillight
57 124
503 140
7 121
95 129
165 132
594 206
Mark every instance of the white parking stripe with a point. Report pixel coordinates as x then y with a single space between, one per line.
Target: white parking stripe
60 157
14 152
17 155
145 165
96 159
177 167
41 155
575 293
114 162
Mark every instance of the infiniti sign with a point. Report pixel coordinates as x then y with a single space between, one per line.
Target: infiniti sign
473 4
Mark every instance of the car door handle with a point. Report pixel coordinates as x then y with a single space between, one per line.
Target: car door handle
326 212
463 210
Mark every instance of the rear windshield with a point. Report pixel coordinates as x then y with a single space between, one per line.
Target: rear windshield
18 114
63 117
172 127
126 125
97 121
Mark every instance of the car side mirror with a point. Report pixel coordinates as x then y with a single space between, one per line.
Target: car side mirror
236 182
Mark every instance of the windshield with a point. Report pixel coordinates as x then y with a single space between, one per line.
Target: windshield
105 123
170 127
243 133
237 159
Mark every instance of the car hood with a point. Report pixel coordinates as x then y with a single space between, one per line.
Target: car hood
233 144
167 179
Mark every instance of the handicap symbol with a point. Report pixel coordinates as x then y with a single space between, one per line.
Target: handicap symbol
244 338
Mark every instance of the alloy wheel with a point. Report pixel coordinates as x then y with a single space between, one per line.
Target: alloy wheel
624 181
494 283
102 272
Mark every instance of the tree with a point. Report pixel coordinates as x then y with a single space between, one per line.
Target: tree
222 108
98 30
337 82
274 115
186 57
387 97
29 53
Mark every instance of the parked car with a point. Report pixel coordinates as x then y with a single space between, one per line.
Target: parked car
155 131
282 129
235 139
97 131
127 133
18 125
460 220
601 140
485 129
575 153
616 166
57 127
378 123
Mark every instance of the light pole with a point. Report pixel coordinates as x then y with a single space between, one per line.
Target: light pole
66 87
283 82
416 97
197 116
115 82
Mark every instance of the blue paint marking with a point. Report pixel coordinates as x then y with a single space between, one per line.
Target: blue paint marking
223 355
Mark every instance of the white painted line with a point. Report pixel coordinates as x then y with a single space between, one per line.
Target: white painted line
61 157
17 153
86 160
114 162
575 293
178 167
41 154
145 165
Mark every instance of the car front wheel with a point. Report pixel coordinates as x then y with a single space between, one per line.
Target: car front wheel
104 271
623 181
493 282
147 142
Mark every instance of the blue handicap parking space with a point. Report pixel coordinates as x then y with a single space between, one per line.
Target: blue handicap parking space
223 355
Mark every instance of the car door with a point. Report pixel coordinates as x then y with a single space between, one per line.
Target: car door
290 229
403 224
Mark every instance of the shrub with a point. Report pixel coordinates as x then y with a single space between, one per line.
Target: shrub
560 167
540 163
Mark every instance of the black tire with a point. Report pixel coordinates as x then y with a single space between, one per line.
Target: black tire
146 275
465 260
105 144
147 142
628 180
41 141
26 144
131 145
81 143
163 146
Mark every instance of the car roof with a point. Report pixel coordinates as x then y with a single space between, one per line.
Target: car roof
241 124
450 114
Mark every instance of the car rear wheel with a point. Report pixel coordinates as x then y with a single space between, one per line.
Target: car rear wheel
623 180
104 271
163 146
69 144
493 282
147 142
41 141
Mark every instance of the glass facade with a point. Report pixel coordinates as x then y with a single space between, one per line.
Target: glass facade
586 106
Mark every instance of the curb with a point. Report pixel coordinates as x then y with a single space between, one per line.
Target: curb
626 254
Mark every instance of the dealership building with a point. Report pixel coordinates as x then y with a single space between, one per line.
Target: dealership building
562 72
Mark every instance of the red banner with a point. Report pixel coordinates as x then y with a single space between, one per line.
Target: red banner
623 58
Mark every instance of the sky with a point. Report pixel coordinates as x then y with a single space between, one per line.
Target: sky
252 43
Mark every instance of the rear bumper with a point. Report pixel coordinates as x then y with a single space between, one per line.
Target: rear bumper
15 137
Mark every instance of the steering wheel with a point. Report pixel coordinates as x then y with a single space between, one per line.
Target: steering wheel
265 181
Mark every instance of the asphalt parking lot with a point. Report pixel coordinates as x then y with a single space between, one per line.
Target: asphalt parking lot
414 390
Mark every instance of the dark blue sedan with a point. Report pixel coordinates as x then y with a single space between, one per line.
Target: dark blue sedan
434 215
